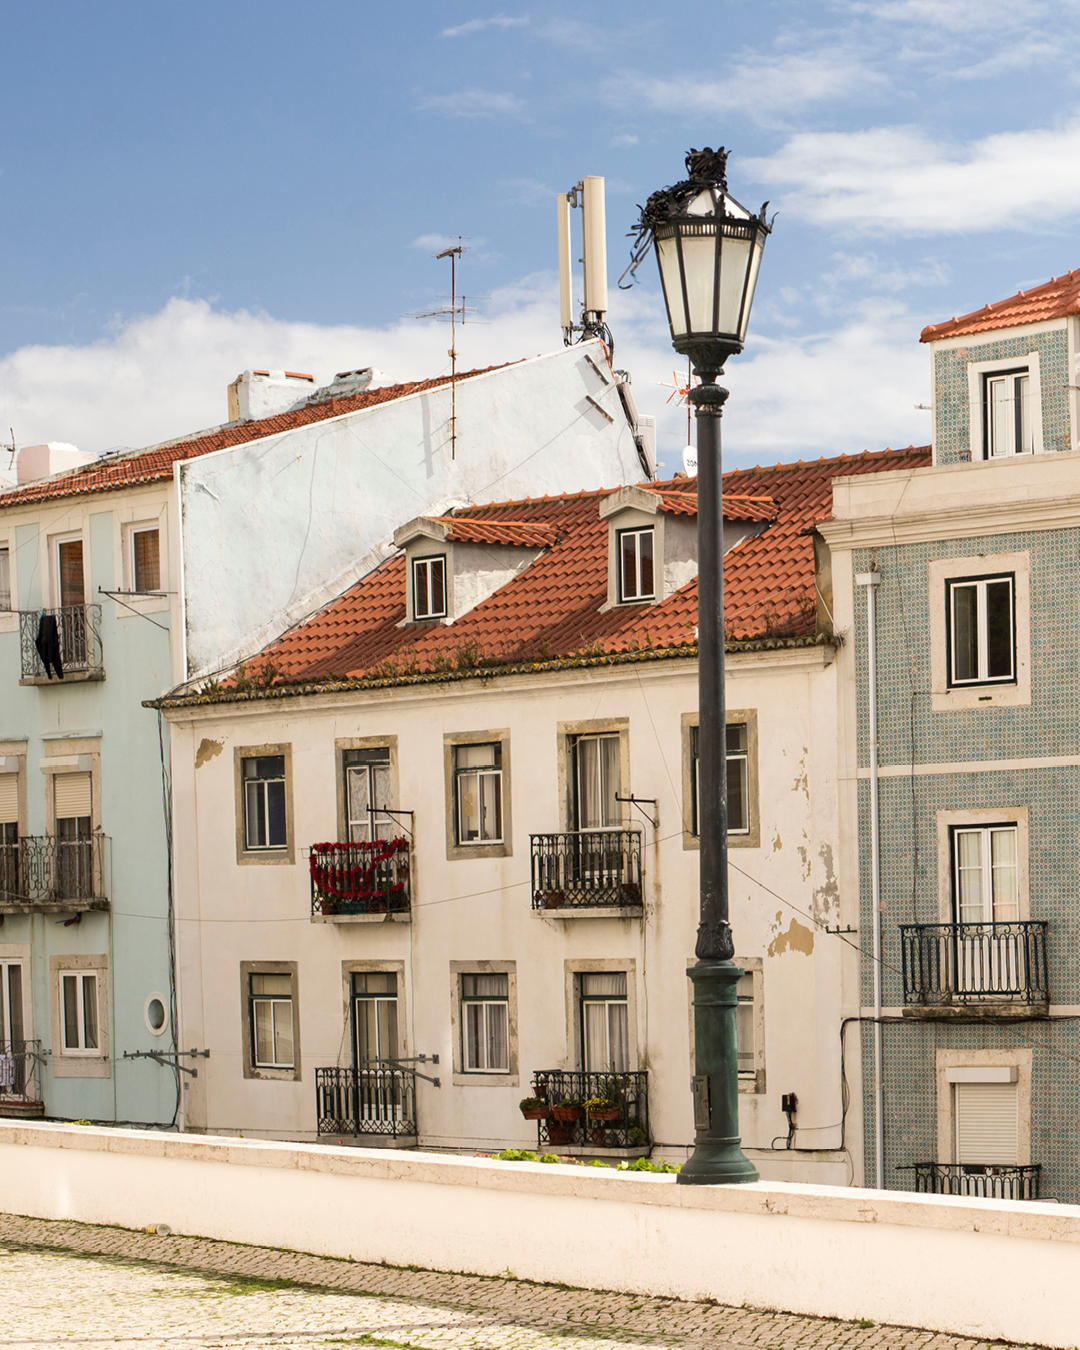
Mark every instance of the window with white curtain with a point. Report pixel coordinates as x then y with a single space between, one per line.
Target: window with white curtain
605 1021
485 1023
79 1012
986 874
5 578
272 1021
597 782
478 790
1007 413
367 793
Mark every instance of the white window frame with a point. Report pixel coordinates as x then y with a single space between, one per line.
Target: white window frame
941 572
81 1051
977 373
463 1076
263 783
980 584
985 835
130 531
1016 386
273 1001
491 776
6 565
427 562
606 1000
55 540
639 594
490 1004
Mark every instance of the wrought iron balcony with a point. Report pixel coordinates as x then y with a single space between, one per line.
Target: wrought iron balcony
363 877
587 869
378 1098
20 1085
622 1122
986 1181
41 872
78 642
968 963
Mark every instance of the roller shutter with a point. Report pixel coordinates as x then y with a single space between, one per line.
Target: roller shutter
9 798
71 795
986 1122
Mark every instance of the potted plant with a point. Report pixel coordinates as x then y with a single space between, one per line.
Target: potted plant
534 1108
553 899
558 1134
602 1108
567 1109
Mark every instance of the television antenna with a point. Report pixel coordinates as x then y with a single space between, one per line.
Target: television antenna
588 194
12 449
680 396
453 311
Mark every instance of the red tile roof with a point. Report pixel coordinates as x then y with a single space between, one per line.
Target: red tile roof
737 507
149 466
1056 298
531 533
552 610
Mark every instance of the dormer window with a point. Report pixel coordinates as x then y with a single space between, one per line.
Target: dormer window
1007 419
429 587
636 565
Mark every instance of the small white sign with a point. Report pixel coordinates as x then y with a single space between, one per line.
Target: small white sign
689 461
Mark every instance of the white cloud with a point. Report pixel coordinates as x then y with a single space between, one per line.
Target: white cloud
1014 56
440 241
763 86
478 25
873 274
905 180
958 16
472 103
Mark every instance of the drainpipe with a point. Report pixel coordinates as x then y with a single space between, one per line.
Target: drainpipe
872 580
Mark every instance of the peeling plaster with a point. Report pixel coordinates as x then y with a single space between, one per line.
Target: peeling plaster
798 938
827 895
777 843
206 751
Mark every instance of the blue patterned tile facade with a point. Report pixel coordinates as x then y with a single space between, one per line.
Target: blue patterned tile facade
952 423
911 733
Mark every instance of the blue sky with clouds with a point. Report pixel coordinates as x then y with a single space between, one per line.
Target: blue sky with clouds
190 190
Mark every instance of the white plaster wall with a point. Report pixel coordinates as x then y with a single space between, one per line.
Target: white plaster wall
274 528
993 1270
470 909
479 570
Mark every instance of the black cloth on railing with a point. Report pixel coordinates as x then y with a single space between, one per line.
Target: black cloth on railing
47 643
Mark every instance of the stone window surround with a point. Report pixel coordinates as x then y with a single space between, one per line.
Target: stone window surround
54 542
1012 1058
18 751
81 1065
355 967
344 743
269 857
752 838
940 572
483 1080
141 516
575 1051
983 816
976 370
755 967
9 618
63 756
564 734
455 851
12 952
248 968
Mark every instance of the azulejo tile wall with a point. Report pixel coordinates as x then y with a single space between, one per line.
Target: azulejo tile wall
911 734
952 424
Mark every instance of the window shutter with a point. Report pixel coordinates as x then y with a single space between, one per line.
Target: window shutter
71 795
986 1122
9 798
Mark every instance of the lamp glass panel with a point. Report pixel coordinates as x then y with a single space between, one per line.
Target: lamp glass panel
755 267
699 263
667 255
734 256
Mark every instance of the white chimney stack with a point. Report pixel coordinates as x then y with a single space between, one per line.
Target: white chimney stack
42 461
263 393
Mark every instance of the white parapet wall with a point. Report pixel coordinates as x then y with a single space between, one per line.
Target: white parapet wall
995 1270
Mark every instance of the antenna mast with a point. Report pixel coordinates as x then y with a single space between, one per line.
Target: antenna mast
588 194
452 311
12 449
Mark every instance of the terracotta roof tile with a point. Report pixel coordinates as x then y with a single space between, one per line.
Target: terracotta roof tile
531 533
1056 298
552 609
149 466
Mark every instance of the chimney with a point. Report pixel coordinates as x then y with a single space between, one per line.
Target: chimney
262 393
42 461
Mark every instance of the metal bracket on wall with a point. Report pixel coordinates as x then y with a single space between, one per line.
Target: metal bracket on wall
838 931
639 802
416 1059
169 1058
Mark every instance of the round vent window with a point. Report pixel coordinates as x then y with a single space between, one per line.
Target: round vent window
156 1016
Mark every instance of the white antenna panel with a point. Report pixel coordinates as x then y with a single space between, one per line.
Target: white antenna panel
594 238
566 279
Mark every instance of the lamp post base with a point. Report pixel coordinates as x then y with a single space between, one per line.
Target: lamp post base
717 1159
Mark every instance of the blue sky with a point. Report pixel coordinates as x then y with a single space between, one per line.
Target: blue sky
191 190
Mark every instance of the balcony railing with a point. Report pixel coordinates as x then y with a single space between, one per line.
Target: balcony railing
985 1181
948 963
20 1086
366 876
46 870
587 869
78 645
379 1098
622 1122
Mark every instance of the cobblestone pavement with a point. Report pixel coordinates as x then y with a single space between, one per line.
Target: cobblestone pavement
77 1285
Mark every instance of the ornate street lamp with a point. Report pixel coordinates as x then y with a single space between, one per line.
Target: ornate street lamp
709 251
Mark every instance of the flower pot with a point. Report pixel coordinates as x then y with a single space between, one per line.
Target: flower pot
536 1112
558 1134
553 900
567 1113
605 1113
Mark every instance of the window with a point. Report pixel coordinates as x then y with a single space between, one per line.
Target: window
265 824
375 1016
738 779
79 1012
145 561
485 1020
636 565
272 1021
746 1027
605 1027
1007 414
367 793
478 793
429 588
985 872
5 579
73 815
982 631
69 556
986 1117
597 781
12 1030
